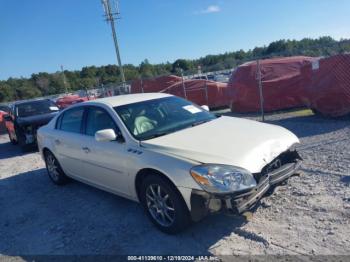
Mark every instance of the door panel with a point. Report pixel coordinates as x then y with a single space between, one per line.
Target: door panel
69 152
67 141
104 163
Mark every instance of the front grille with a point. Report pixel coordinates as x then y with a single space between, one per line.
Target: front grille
286 157
31 130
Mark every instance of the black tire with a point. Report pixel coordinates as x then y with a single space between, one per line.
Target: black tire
56 174
180 213
21 140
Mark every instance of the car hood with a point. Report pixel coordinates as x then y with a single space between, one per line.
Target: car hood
37 120
227 140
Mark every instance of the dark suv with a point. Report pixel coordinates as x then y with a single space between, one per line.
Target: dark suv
24 119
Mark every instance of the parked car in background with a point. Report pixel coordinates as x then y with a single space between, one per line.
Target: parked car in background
203 77
211 77
4 108
177 159
221 78
3 112
64 102
25 117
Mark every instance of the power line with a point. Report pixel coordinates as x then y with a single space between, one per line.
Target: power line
112 13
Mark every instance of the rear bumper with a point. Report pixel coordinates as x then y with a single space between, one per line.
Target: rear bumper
203 203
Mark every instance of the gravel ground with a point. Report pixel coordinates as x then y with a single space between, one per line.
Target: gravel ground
310 215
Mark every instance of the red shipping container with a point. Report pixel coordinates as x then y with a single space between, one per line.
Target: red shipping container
202 92
283 82
329 91
199 91
154 84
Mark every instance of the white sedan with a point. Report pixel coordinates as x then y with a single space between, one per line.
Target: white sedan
178 160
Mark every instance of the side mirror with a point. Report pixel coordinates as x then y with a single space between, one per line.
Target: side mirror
205 107
7 118
105 135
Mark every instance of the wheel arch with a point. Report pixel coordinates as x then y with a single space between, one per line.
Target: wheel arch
145 172
46 150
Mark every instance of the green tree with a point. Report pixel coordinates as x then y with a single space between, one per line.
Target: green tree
91 76
6 92
183 64
146 69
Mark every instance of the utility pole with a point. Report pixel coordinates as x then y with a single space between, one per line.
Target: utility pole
112 13
64 79
260 90
183 83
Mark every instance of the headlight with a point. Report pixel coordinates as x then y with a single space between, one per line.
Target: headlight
222 178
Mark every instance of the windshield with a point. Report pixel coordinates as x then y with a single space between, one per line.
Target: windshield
36 108
4 108
158 117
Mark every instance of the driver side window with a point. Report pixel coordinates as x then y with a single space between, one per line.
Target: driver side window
98 119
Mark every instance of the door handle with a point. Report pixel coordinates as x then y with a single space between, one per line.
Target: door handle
86 150
57 141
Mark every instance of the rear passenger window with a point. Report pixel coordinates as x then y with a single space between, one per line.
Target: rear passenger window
71 120
97 120
58 122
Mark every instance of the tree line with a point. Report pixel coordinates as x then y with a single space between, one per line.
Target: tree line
44 84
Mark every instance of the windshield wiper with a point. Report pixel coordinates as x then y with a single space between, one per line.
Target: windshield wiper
156 135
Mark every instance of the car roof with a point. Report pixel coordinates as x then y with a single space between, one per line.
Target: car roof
121 100
29 101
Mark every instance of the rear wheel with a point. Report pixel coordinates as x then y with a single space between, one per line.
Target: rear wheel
54 169
164 205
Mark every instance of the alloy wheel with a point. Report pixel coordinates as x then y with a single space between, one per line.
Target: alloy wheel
160 205
52 167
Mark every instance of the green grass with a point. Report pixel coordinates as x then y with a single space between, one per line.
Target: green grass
303 112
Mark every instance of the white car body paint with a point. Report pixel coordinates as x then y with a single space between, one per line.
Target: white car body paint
227 140
113 166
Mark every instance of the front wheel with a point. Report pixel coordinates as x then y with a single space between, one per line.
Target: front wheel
54 169
21 140
164 205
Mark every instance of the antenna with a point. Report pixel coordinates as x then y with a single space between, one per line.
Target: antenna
111 14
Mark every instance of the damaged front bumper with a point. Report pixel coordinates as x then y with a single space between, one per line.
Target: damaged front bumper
271 176
29 134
